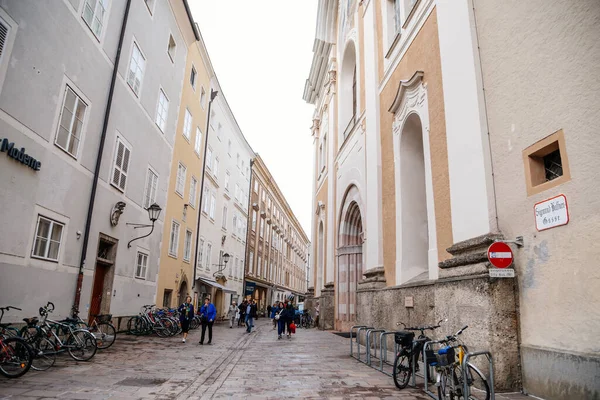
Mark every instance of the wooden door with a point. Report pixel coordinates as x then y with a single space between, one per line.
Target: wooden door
97 291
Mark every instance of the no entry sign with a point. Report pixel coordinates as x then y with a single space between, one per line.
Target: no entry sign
500 255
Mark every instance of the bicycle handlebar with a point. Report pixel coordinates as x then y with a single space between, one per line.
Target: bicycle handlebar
10 307
418 328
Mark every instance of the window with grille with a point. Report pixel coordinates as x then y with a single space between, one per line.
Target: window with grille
181 174
48 237
141 265
198 144
200 252
93 15
120 165
187 246
193 190
151 187
546 163
4 28
187 124
193 75
553 165
172 48
162 110
174 239
70 126
137 66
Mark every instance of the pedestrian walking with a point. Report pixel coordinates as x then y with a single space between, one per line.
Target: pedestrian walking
272 315
317 315
290 315
208 313
231 314
280 319
186 314
250 315
269 308
242 308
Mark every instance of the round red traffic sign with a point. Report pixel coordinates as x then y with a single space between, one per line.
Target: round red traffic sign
500 255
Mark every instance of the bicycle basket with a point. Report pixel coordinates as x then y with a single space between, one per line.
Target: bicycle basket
404 338
104 318
445 356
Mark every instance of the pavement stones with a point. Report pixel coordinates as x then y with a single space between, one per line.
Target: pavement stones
311 365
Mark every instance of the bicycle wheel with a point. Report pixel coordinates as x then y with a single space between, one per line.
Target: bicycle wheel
478 386
15 357
44 355
105 334
402 370
81 345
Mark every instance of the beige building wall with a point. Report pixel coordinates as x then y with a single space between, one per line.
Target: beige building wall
176 273
540 70
422 55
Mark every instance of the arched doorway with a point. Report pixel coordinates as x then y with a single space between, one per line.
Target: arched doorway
350 261
415 232
183 291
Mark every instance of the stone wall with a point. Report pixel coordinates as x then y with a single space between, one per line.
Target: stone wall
327 307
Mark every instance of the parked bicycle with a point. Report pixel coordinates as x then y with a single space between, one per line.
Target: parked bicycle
101 327
449 366
410 350
306 320
152 320
16 355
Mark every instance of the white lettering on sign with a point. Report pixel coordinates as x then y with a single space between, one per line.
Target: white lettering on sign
502 273
551 213
500 254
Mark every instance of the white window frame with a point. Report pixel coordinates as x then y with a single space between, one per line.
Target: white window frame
187 125
193 73
224 222
202 97
209 158
53 222
153 191
198 143
213 205
137 265
193 191
187 245
78 99
98 3
172 56
127 146
174 240
134 46
208 255
215 168
200 252
227 178
205 200
180 182
251 262
161 120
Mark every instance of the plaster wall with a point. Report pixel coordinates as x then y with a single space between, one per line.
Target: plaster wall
548 53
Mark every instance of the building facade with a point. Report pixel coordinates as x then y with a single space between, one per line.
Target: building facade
178 253
432 142
54 109
278 248
224 211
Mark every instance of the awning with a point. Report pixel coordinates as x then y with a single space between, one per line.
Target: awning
216 285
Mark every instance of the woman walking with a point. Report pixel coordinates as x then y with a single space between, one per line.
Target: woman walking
280 314
186 314
232 313
208 313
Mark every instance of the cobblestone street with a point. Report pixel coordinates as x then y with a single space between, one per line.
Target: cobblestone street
313 364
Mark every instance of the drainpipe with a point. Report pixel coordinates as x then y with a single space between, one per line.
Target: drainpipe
88 222
213 94
247 252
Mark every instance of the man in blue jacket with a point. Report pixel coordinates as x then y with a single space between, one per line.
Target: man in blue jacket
208 314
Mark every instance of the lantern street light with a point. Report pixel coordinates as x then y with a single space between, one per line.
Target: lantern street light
153 214
219 272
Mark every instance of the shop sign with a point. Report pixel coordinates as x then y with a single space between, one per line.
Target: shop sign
19 155
250 287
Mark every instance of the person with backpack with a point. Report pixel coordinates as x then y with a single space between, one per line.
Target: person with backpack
279 317
208 314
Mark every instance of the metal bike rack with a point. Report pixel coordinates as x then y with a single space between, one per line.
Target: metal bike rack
383 351
369 343
358 340
352 343
426 370
466 388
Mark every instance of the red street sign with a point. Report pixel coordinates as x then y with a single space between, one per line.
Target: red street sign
500 255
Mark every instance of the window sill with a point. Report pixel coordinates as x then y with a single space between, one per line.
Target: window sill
118 188
45 259
140 278
173 256
186 261
65 150
179 194
187 138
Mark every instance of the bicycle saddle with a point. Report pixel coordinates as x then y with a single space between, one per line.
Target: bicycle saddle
31 321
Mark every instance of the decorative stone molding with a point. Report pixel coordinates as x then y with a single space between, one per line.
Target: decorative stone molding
320 208
411 94
374 279
469 257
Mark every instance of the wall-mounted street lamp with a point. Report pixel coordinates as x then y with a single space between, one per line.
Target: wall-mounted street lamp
153 214
219 272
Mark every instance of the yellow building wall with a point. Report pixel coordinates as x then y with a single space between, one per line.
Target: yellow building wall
174 270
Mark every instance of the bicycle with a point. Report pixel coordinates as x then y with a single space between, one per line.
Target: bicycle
449 366
16 355
408 355
306 320
104 332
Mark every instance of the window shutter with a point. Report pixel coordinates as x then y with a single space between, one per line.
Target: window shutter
125 168
3 36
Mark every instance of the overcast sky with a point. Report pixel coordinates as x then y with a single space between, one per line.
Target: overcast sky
261 52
